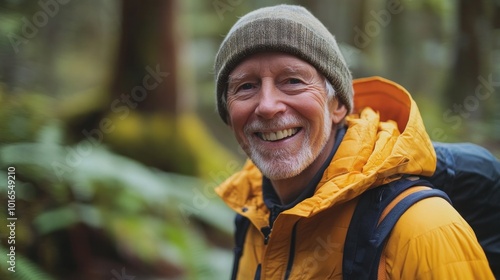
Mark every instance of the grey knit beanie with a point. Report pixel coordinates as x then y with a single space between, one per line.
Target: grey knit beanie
283 28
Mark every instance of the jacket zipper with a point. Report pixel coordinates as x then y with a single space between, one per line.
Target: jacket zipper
291 255
266 231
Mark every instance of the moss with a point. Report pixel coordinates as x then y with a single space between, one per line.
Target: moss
182 145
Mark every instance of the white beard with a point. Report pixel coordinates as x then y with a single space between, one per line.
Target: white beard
283 164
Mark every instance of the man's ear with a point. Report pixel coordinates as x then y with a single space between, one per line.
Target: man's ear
339 111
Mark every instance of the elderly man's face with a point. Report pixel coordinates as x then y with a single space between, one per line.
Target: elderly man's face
280 113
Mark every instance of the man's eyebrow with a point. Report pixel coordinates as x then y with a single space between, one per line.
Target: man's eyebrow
237 77
297 69
288 69
293 68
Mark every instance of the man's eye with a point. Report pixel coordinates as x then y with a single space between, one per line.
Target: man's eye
294 81
246 86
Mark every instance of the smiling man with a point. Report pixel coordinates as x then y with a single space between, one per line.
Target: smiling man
285 91
282 115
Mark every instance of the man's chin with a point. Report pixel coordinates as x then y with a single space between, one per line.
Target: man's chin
281 164
275 176
278 170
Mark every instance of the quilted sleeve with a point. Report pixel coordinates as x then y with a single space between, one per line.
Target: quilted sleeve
432 241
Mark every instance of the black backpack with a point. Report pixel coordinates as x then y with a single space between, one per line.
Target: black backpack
467 175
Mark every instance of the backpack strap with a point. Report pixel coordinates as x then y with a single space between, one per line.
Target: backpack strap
242 224
373 221
387 224
382 264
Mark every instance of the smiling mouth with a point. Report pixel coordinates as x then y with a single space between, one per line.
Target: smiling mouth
277 135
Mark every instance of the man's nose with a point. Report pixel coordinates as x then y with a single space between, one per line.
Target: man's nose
270 101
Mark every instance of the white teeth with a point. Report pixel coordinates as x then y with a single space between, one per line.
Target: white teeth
278 135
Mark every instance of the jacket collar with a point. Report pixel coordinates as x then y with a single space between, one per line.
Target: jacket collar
271 198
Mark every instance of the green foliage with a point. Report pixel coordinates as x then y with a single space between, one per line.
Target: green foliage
26 270
23 115
149 215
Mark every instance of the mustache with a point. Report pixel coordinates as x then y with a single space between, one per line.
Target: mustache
273 124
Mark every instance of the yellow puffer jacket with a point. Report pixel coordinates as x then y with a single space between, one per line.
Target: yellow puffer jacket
386 138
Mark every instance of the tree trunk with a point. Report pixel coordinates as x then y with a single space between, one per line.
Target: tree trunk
147 45
467 67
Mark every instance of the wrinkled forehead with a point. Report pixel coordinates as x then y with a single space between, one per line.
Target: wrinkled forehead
274 62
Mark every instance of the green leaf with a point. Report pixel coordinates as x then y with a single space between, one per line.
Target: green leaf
57 219
24 268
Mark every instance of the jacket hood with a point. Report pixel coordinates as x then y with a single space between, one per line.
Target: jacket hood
385 139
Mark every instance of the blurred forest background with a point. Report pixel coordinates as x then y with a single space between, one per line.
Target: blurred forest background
107 113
